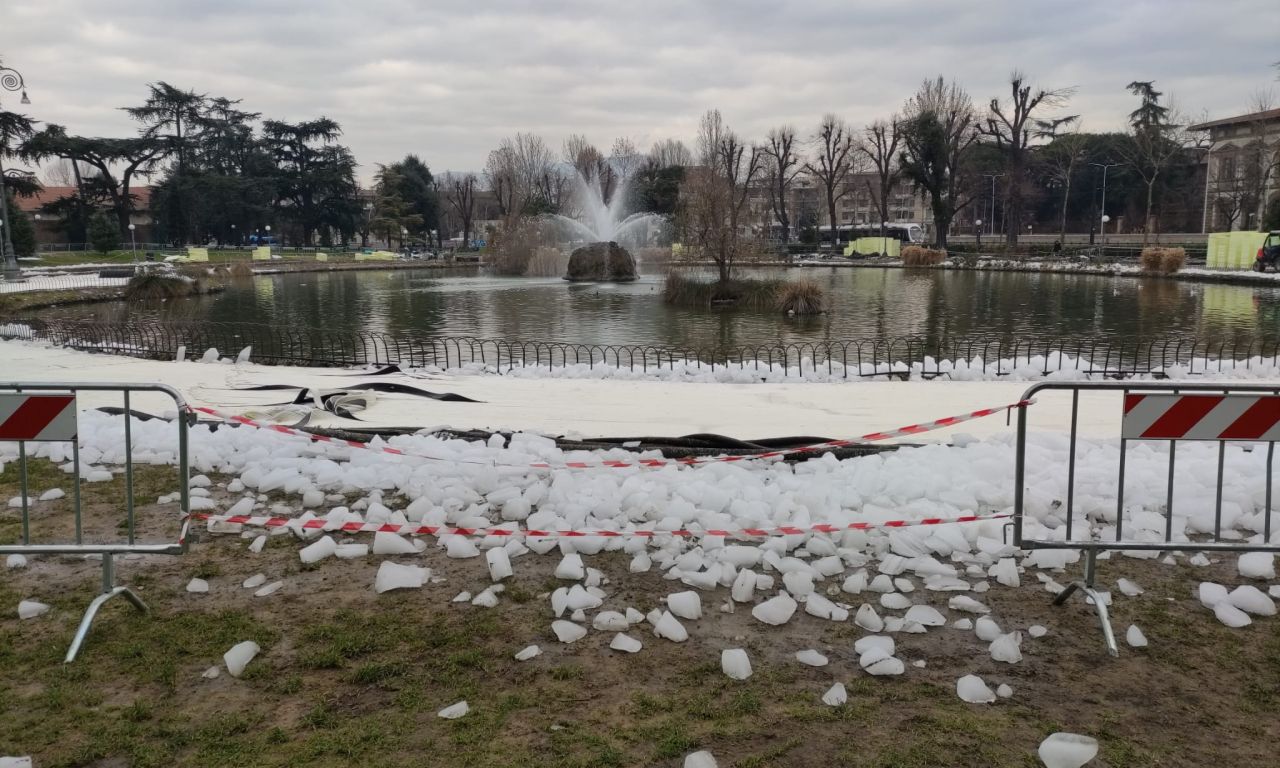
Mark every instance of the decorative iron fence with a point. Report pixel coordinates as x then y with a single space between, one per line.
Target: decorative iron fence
889 358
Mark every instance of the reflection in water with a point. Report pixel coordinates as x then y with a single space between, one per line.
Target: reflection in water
865 304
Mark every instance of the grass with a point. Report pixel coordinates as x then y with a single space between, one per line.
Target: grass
347 677
1165 261
679 290
151 286
801 297
919 256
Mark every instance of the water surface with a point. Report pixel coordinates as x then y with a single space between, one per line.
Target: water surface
865 303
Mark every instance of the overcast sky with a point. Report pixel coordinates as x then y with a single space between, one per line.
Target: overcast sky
448 80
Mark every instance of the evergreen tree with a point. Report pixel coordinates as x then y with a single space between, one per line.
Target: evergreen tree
103 233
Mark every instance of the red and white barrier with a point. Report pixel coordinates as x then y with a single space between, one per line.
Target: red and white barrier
263 521
37 417
1201 417
907 431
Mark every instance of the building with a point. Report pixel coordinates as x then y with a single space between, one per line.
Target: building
51 229
807 204
1243 174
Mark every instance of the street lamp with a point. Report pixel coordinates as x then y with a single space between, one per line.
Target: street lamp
10 80
993 177
977 231
133 241
1105 218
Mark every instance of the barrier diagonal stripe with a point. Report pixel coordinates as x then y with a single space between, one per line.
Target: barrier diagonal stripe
267 521
907 431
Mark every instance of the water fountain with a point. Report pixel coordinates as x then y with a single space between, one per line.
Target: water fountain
605 229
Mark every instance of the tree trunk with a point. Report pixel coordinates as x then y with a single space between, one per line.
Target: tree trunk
831 213
941 223
1146 226
1012 209
1062 225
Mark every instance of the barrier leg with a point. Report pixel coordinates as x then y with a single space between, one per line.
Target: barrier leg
109 590
1086 586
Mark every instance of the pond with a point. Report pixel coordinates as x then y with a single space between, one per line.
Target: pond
865 303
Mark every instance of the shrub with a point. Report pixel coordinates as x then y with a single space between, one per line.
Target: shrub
685 291
150 286
546 262
801 297
241 269
1166 261
511 248
919 256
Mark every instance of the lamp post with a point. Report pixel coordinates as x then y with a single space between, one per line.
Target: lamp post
268 228
1105 217
133 241
10 80
977 231
992 221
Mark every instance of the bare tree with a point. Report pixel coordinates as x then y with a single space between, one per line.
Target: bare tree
60 174
1068 148
938 129
1261 154
782 165
880 148
500 174
716 192
624 157
831 166
670 152
460 192
1232 192
1012 130
591 164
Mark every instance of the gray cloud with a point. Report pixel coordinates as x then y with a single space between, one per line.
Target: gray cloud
449 79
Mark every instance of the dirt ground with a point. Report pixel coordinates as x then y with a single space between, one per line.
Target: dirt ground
349 677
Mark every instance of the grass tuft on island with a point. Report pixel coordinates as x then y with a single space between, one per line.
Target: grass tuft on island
801 297
152 286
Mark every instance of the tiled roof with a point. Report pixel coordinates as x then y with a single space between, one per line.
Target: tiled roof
1270 114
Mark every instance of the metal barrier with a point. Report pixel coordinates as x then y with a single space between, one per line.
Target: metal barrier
46 412
902 357
1165 413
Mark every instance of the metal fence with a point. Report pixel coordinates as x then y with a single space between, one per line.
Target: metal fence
889 358
1161 414
47 413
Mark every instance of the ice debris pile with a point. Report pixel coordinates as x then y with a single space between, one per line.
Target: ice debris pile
889 581
479 484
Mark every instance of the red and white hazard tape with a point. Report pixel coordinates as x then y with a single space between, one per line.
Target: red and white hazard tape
263 521
914 429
